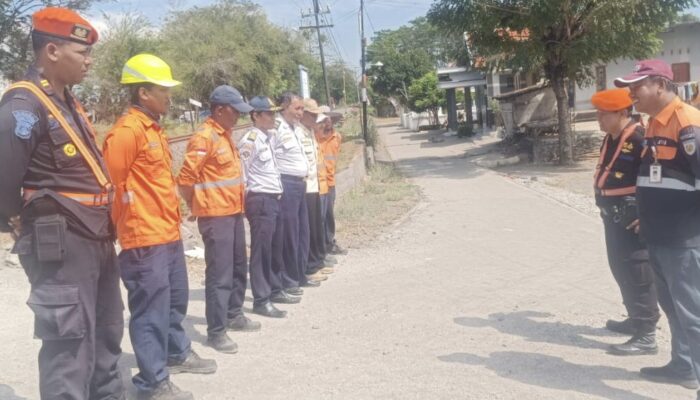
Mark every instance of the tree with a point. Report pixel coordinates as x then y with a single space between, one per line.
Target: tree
343 83
15 28
125 37
231 42
424 95
407 54
563 38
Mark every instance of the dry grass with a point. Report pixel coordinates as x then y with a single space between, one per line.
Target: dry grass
373 206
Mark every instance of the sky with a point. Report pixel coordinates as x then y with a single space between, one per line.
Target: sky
379 15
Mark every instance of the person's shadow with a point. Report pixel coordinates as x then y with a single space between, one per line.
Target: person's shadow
552 373
8 393
532 326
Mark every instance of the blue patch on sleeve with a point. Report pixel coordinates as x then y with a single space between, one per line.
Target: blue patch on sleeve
24 122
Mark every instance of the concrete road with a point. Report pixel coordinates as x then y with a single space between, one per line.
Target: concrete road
486 291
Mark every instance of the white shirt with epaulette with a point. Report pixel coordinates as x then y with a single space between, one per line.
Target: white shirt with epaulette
289 150
261 173
311 152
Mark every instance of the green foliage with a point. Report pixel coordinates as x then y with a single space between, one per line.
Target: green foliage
408 53
563 38
231 42
125 37
15 26
343 91
424 95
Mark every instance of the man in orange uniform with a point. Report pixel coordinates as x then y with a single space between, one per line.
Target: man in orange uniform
329 140
211 183
55 197
147 217
614 183
668 193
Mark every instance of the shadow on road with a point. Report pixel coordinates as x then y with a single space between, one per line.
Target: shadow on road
552 373
531 326
8 393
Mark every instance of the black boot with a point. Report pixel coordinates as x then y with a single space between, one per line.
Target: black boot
165 390
193 364
639 344
625 327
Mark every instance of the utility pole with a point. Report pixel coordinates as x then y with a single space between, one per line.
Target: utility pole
364 72
318 26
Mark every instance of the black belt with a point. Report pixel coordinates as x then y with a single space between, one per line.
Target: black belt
275 196
293 177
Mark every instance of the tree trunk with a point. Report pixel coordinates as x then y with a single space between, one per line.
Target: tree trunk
566 140
436 117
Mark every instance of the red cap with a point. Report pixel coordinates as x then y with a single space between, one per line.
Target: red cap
65 24
612 100
644 69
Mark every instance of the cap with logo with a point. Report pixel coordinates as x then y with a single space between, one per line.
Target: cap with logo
262 104
230 96
64 23
612 100
644 69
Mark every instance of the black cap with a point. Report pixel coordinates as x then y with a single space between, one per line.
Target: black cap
262 103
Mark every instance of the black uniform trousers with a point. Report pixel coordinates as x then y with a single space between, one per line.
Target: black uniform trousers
329 217
630 266
295 227
156 280
78 315
317 246
227 269
263 213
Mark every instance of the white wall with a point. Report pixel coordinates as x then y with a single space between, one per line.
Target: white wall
683 40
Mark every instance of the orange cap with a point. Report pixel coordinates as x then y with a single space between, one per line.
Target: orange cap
65 24
612 100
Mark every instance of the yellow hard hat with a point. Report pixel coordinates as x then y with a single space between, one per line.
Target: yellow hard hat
147 68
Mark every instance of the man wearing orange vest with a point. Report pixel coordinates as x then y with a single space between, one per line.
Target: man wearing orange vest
147 217
313 250
668 193
55 197
614 185
329 140
211 182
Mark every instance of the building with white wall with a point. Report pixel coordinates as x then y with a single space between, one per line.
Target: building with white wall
681 49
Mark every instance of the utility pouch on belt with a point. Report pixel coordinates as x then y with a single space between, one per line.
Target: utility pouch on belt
49 238
628 211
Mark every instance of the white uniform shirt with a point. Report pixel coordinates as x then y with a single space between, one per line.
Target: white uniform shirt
261 173
289 151
311 151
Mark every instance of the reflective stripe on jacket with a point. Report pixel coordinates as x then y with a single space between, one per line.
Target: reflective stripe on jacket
212 166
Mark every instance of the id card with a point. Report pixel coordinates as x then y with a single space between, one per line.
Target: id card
655 173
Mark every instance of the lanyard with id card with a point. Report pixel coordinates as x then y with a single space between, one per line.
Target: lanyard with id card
655 167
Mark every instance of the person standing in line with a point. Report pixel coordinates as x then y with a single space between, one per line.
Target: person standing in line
263 194
211 182
147 217
55 200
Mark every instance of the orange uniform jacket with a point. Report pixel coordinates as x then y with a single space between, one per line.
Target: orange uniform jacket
330 147
212 166
146 209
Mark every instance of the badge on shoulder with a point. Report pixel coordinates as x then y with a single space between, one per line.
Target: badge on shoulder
689 146
24 123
